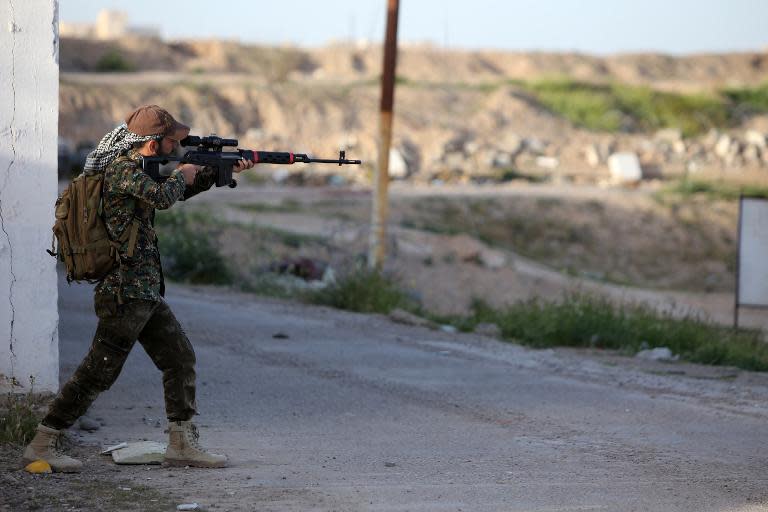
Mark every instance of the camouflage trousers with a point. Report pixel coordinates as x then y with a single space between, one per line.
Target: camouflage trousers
156 328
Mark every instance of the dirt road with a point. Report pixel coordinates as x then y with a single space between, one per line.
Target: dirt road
352 412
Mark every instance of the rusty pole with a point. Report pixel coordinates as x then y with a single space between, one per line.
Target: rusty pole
380 207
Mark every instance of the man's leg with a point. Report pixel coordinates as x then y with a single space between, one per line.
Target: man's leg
169 348
117 331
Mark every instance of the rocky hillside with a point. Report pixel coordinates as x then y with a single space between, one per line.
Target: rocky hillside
459 115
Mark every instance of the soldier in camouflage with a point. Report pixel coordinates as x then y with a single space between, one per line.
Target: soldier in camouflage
129 300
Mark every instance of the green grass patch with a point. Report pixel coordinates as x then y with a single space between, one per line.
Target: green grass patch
615 107
365 291
749 100
713 190
188 247
582 320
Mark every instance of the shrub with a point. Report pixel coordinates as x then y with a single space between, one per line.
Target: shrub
365 291
189 251
749 99
19 416
114 61
583 320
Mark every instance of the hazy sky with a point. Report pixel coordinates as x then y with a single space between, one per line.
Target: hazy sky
593 26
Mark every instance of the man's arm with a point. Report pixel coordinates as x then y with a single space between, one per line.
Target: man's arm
206 177
128 179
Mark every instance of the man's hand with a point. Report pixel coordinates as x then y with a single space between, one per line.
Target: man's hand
189 171
242 165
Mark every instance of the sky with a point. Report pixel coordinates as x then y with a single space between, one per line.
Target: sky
589 26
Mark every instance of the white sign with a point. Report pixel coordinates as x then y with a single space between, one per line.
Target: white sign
753 253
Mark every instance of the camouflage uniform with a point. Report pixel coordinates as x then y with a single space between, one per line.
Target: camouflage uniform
128 301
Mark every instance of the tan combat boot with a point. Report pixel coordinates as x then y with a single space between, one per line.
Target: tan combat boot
184 448
43 446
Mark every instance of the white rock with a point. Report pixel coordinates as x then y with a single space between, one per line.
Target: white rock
592 155
142 452
755 138
657 354
493 259
723 146
625 168
547 162
398 167
188 506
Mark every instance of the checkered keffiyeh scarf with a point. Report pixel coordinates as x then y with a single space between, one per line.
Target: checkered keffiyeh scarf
112 145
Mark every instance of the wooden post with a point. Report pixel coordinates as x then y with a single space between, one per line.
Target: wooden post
380 207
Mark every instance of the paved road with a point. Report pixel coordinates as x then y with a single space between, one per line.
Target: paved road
353 412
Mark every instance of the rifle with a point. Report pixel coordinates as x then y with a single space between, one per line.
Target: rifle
210 153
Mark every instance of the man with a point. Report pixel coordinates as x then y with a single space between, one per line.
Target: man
128 301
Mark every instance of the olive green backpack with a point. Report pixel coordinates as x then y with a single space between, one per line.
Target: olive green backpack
80 233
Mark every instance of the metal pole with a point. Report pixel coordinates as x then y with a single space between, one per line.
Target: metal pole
380 207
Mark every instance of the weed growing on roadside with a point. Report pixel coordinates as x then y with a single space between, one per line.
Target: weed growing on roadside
18 415
365 291
583 320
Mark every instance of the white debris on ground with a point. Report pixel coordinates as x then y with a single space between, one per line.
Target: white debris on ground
657 354
142 452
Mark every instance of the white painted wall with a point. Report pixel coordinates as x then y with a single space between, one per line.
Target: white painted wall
29 114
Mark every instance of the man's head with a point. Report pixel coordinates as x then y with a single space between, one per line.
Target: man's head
151 120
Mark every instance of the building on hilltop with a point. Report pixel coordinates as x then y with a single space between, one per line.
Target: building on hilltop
109 25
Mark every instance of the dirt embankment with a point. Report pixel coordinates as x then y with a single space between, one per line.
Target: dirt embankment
459 116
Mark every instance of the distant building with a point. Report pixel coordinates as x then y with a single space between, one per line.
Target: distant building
109 25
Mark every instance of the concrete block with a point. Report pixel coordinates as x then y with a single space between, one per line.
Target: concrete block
142 452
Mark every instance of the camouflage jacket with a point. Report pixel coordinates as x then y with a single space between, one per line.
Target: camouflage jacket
130 193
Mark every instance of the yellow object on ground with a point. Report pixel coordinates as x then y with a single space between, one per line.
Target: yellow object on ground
38 466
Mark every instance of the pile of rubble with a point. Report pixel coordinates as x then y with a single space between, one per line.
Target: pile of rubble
469 158
626 157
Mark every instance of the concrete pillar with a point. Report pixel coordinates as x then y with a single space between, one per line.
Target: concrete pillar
29 114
